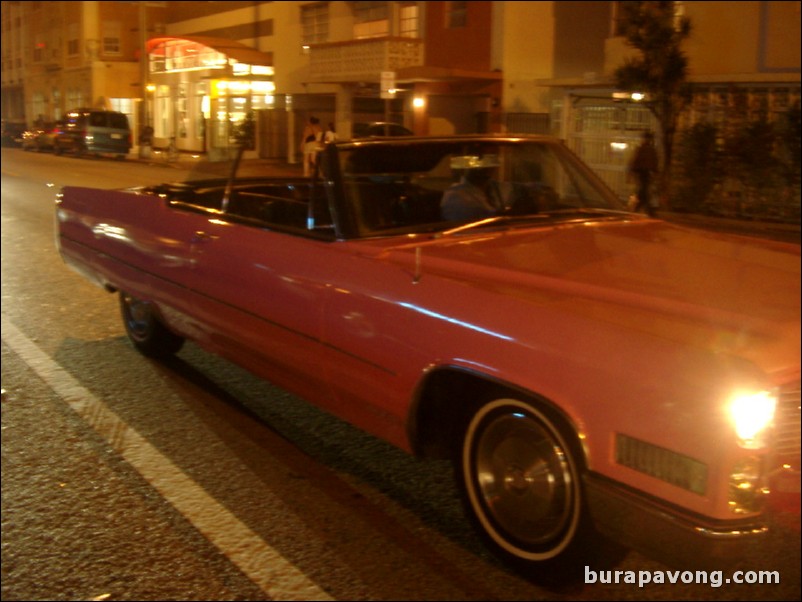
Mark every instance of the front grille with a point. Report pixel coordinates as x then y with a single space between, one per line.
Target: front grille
787 426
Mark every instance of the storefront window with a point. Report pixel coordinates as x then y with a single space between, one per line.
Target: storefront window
203 110
181 112
162 118
200 109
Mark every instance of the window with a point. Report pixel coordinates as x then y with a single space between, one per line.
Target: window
456 14
75 99
38 104
200 109
314 23
408 20
73 47
55 94
181 111
123 105
111 37
163 110
39 49
371 19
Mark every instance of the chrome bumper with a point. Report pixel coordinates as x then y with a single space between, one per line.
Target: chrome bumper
665 533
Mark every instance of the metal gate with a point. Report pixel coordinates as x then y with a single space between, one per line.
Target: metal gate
604 134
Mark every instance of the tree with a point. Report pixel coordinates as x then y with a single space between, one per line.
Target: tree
660 70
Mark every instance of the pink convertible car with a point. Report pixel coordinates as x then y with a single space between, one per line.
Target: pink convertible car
597 377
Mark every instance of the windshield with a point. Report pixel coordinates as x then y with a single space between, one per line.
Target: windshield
440 185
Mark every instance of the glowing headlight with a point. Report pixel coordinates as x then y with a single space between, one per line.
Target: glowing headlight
752 412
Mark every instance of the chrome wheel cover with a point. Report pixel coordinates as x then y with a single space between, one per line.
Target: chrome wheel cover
521 480
138 317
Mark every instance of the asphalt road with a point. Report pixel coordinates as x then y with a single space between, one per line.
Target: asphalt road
128 479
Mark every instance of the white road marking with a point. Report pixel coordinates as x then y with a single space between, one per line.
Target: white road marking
278 578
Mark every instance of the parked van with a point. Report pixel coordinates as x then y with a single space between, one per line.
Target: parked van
94 131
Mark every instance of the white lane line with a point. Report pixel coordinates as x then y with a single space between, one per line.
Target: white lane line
278 578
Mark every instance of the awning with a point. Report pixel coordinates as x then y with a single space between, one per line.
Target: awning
235 50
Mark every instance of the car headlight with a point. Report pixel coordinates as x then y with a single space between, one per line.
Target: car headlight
752 413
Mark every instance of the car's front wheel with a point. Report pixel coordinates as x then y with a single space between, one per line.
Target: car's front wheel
145 330
520 476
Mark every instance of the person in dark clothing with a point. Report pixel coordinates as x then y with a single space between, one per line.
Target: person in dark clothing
643 166
476 195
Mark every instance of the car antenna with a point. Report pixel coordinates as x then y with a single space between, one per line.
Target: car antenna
416 276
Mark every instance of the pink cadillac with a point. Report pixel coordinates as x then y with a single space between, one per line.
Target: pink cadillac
598 378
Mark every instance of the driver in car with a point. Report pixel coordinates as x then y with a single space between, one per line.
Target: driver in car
476 195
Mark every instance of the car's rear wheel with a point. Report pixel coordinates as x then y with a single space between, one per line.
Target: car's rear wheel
520 476
145 330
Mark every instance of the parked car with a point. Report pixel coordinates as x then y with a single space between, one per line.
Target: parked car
94 131
379 129
12 133
598 378
41 138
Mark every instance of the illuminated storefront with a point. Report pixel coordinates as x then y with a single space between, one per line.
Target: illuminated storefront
202 89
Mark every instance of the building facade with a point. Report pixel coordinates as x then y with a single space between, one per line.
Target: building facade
739 53
193 71
58 56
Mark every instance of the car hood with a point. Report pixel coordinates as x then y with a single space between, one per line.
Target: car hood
737 294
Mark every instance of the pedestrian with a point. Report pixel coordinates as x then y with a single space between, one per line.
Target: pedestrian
642 167
331 134
310 143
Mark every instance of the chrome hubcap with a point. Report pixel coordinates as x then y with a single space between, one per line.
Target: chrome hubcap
523 479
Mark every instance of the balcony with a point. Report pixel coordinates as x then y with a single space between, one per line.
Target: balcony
363 60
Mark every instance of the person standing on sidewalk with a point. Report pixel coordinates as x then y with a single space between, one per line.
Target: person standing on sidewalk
330 135
310 143
643 166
